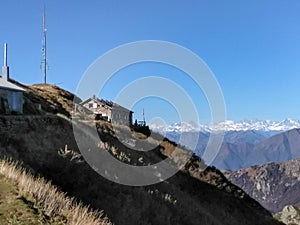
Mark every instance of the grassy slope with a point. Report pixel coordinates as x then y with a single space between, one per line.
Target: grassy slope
201 198
25 199
16 209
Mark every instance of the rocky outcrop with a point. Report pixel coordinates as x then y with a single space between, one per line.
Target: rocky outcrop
290 215
274 185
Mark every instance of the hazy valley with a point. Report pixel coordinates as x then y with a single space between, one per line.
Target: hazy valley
245 146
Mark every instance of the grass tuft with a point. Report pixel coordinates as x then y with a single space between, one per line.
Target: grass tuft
49 199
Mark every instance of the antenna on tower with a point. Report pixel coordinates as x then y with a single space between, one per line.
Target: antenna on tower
144 121
44 48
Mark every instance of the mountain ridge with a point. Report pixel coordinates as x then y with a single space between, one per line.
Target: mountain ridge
229 125
245 148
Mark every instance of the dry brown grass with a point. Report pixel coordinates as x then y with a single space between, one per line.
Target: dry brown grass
53 202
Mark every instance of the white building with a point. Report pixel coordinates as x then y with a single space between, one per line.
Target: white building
109 111
11 95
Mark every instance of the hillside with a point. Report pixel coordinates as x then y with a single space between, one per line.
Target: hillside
274 185
13 209
45 144
281 147
25 199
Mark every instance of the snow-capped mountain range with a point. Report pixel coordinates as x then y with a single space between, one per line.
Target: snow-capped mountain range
245 143
229 125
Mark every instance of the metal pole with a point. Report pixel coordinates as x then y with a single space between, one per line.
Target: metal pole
45 47
5 55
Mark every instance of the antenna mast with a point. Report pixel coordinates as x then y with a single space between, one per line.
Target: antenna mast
144 121
45 63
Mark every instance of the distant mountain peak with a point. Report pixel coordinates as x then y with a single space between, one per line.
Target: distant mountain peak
230 125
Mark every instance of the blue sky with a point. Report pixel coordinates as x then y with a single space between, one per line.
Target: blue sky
252 47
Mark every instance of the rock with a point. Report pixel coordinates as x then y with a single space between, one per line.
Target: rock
290 215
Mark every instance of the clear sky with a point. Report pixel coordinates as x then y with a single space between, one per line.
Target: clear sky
252 47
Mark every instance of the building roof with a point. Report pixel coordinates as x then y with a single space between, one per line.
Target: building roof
108 103
120 108
100 101
9 85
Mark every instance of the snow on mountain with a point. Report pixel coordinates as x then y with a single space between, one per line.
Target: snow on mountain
229 125
180 127
246 143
